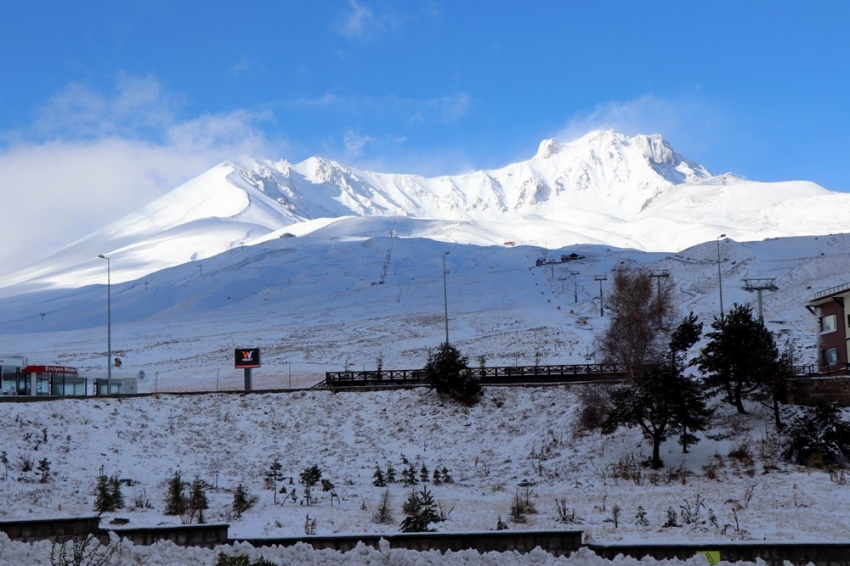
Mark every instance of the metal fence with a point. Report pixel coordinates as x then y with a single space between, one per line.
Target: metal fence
487 375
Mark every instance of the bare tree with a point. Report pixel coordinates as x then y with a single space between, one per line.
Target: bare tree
642 317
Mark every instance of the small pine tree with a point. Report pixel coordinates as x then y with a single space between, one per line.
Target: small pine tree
242 501
421 511
4 459
274 476
309 478
408 476
198 501
446 477
44 469
423 473
390 476
102 494
436 478
501 525
378 479
175 499
115 493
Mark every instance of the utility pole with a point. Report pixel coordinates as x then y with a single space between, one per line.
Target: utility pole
108 324
562 278
601 278
757 286
446 297
719 275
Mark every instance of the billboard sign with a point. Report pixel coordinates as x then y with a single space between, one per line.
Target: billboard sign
247 358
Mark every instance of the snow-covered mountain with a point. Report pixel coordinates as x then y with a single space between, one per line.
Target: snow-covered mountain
604 188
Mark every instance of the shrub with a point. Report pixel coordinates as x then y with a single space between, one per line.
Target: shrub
594 401
820 433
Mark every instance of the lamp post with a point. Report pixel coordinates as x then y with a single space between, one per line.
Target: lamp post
108 324
719 276
446 297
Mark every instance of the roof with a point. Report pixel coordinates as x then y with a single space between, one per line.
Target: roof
50 369
826 294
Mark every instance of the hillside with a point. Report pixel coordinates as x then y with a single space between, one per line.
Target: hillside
514 436
313 304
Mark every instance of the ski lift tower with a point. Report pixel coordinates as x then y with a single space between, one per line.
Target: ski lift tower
757 286
601 278
659 274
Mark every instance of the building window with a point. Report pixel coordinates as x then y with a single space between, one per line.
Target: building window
830 356
827 323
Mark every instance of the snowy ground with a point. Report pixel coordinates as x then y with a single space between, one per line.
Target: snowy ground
312 305
167 554
513 435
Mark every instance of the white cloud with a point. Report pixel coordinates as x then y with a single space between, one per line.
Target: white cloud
355 143
453 107
87 160
364 23
360 22
689 120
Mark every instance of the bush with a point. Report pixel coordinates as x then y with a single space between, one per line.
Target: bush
819 434
594 401
225 560
175 499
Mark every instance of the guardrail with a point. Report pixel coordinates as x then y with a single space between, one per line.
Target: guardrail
488 375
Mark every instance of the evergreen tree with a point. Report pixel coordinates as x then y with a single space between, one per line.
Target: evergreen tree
447 371
198 502
740 357
421 511
4 459
446 477
378 477
408 476
663 401
242 501
820 430
390 477
44 469
175 499
274 475
436 478
115 493
309 478
423 473
103 494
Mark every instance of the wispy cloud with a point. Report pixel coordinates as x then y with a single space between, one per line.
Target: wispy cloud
367 23
453 107
354 143
89 157
688 119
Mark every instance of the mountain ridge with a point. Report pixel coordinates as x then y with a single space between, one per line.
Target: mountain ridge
603 188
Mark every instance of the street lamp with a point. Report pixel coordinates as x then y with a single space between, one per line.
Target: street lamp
108 324
446 297
719 276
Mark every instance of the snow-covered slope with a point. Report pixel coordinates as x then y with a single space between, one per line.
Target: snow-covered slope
604 188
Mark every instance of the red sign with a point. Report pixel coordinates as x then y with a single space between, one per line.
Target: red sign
50 369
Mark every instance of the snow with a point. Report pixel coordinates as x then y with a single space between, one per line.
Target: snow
168 554
604 188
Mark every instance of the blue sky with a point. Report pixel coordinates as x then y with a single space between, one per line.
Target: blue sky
121 101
